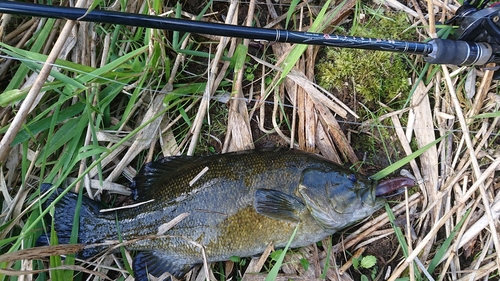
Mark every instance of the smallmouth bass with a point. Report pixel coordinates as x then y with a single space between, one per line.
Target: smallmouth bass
235 205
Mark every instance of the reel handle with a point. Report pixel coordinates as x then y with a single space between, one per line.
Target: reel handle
446 51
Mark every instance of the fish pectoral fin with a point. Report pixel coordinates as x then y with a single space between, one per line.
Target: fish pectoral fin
157 263
277 205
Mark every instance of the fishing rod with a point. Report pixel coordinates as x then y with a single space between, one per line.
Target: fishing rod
477 37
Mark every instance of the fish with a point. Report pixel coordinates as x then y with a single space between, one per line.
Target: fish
232 204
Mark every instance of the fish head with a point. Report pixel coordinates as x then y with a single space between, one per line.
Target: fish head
337 197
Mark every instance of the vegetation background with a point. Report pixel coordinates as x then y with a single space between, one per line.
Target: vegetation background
117 97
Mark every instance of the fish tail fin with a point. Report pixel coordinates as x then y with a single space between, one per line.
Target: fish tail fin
63 216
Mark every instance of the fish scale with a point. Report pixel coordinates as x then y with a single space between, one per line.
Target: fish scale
237 203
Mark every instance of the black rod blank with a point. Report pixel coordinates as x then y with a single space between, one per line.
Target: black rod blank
200 27
438 51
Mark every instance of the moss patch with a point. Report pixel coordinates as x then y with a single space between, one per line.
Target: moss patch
374 75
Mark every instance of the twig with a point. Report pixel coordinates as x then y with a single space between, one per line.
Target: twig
432 19
126 207
198 176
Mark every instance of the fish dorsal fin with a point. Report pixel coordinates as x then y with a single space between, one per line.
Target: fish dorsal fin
144 183
157 263
277 205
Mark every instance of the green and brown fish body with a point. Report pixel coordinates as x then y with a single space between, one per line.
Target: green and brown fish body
234 204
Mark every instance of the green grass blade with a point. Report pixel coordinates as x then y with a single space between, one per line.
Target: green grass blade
274 271
62 136
55 261
35 127
446 244
239 56
73 239
175 37
41 38
36 66
392 168
487 115
327 260
11 96
291 10
397 230
299 49
176 44
401 238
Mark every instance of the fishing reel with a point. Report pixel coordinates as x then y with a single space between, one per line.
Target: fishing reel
478 23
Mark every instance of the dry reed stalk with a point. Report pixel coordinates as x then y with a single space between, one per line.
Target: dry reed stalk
20 31
432 19
482 91
482 273
292 265
424 134
475 165
318 94
239 133
3 24
26 35
41 252
213 81
403 140
398 7
256 264
307 117
437 225
15 207
111 187
328 120
326 145
143 139
88 52
348 263
419 12
179 58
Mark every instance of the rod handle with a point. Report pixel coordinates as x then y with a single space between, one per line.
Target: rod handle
446 51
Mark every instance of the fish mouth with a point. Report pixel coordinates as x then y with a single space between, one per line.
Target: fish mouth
393 186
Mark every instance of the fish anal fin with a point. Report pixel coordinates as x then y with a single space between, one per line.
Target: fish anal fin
157 264
277 205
